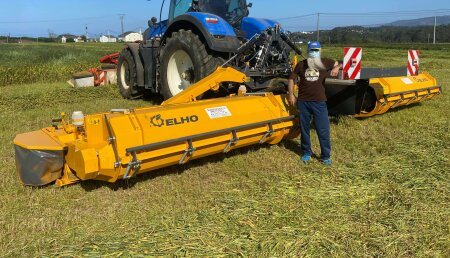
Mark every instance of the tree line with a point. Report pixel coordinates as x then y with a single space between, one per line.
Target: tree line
383 34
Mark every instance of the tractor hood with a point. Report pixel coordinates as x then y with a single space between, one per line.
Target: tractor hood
252 26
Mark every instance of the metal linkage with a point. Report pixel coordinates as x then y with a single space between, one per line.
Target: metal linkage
268 133
398 101
134 164
416 96
189 151
112 141
234 140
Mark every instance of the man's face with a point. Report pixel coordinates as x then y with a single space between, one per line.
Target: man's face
314 53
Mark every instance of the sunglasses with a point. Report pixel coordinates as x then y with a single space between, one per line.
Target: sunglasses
314 50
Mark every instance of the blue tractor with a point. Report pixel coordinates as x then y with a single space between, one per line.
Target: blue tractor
199 36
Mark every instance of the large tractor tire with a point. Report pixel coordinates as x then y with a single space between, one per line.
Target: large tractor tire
184 61
126 75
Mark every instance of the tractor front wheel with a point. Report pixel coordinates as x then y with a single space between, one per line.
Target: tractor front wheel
184 61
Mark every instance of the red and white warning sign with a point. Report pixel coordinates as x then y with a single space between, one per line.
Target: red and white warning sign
352 63
413 62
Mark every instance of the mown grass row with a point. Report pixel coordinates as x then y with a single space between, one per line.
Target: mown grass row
31 63
386 195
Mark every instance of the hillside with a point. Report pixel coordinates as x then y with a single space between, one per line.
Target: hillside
427 21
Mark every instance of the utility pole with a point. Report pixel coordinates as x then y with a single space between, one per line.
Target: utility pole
434 37
121 21
86 33
7 38
318 22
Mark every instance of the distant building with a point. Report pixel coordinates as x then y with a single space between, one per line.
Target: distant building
66 38
131 36
107 39
78 40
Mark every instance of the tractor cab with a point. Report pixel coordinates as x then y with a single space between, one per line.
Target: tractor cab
233 11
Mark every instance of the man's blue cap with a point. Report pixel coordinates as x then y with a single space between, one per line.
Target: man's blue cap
314 45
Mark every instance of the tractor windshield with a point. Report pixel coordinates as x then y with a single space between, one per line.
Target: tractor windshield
231 10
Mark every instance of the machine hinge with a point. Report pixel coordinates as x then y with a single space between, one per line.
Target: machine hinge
234 140
189 151
268 133
134 164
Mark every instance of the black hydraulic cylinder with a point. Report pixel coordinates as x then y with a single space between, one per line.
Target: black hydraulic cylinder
291 44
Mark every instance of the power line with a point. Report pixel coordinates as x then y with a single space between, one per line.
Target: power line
296 17
372 14
59 20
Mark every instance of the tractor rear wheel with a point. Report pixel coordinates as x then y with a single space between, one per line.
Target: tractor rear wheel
184 61
126 75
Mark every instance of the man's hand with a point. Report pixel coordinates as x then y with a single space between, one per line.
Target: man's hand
335 71
292 99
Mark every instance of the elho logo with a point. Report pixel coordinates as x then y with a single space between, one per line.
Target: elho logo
158 121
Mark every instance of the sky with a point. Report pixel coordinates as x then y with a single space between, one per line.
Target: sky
39 17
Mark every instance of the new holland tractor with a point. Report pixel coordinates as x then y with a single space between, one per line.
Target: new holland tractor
199 36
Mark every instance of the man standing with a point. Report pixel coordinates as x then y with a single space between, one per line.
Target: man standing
312 100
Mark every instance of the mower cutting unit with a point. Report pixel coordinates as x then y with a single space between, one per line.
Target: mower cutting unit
365 92
123 143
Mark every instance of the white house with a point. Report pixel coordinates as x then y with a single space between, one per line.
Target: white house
63 39
78 39
131 36
107 39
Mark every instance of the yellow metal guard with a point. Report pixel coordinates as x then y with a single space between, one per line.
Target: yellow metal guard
392 92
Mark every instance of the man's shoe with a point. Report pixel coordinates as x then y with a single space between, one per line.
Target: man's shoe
306 158
326 162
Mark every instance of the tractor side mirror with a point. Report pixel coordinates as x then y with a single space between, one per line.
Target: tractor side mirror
194 6
152 22
250 5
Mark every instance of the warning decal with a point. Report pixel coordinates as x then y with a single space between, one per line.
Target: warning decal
218 112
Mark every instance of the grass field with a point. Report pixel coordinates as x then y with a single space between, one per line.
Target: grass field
386 195
31 63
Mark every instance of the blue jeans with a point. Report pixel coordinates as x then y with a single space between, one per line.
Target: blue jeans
318 109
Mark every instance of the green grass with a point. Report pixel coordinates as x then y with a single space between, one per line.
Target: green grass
386 195
48 62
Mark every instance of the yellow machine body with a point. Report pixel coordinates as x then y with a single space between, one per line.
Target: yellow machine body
123 143
392 92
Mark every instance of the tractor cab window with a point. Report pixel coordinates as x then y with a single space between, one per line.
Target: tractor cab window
179 7
231 10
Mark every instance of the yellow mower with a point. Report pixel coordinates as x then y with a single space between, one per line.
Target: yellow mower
122 143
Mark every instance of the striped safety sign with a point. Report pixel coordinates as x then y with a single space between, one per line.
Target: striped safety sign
352 63
413 62
102 77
